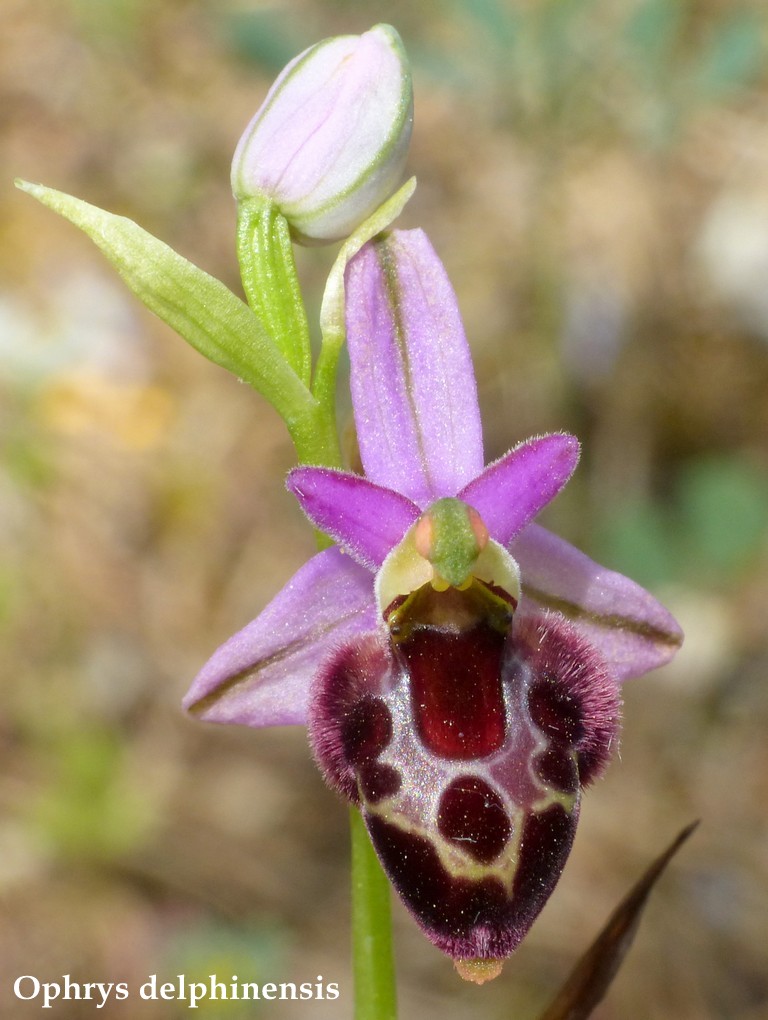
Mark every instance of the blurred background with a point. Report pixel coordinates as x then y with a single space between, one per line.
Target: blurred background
595 176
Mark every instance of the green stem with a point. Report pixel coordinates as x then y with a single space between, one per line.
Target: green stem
314 435
324 379
316 439
373 963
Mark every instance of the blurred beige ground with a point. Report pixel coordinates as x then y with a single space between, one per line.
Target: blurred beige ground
595 177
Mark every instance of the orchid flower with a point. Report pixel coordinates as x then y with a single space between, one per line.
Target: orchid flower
457 664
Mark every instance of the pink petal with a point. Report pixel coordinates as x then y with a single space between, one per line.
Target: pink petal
632 631
367 520
262 675
413 387
512 490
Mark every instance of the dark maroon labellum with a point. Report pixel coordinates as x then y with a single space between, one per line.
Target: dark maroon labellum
452 644
466 738
458 703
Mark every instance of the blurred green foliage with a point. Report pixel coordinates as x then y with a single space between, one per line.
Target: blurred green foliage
91 808
262 37
708 534
639 68
255 954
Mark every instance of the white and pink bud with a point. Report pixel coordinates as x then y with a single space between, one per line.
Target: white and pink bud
329 143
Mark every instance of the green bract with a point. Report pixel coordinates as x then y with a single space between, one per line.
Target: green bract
265 345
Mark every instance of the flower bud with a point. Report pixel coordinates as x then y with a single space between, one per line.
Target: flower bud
328 145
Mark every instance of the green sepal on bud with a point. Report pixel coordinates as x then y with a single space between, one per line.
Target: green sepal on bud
268 271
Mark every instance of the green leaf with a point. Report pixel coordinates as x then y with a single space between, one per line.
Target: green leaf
199 307
734 57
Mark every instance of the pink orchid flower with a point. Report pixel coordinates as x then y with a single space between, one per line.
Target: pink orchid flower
458 665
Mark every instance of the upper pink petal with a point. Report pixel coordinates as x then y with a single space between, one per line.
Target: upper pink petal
366 520
512 490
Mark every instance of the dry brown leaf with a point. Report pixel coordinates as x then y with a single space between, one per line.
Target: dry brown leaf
593 974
